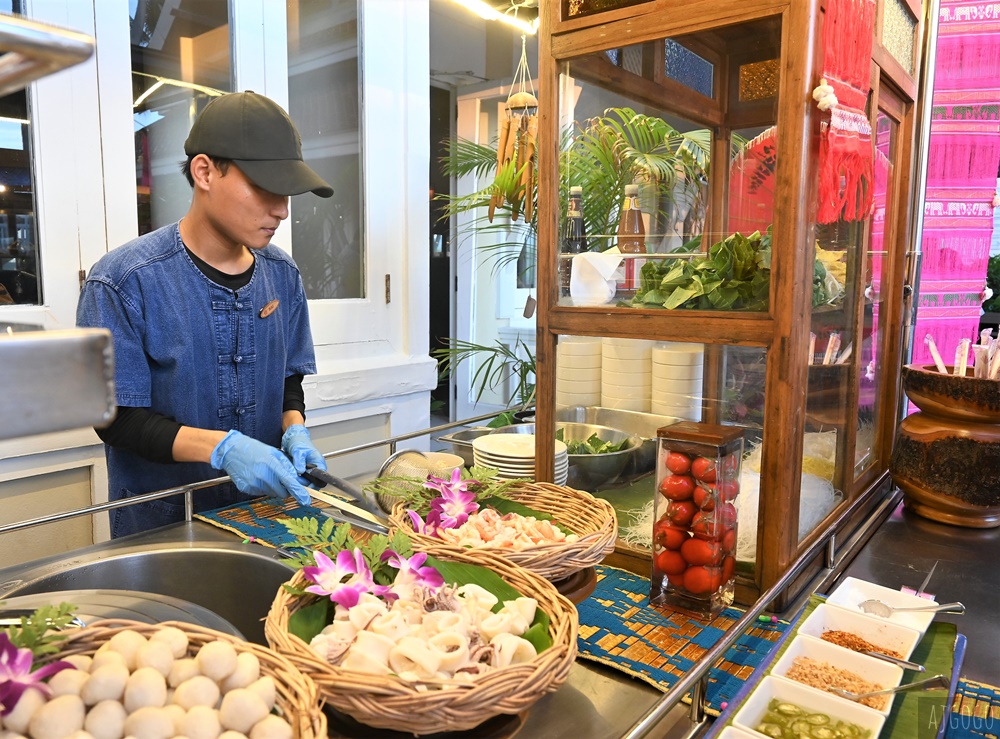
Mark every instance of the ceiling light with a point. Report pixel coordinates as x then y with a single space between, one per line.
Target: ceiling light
487 12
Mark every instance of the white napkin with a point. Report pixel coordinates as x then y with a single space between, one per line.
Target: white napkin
592 279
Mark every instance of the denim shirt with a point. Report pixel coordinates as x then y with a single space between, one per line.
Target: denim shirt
195 351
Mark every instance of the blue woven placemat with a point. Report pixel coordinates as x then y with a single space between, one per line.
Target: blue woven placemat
975 713
619 628
260 520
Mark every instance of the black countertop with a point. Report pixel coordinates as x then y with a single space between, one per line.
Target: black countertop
902 552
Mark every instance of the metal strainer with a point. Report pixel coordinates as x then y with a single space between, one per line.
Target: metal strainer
416 464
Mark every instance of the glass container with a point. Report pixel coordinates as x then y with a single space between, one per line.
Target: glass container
695 517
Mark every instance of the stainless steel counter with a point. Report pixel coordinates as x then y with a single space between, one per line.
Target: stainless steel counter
903 550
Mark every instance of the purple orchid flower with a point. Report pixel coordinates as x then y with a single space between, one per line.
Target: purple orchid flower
412 572
456 503
344 580
16 675
427 527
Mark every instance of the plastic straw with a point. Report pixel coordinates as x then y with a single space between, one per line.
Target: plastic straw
962 357
832 347
986 337
995 364
982 356
932 347
812 347
845 355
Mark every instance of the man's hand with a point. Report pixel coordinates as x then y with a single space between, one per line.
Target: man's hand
257 468
298 445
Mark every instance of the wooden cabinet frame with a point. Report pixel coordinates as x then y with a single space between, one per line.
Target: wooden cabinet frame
784 331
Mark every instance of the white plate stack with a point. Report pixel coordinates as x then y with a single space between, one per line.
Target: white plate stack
578 371
677 379
626 382
513 456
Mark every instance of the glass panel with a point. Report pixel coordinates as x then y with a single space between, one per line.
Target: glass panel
615 388
899 32
642 163
324 83
20 274
872 376
684 66
759 80
180 61
573 8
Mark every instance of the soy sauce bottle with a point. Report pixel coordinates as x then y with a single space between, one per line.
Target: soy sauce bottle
631 236
574 237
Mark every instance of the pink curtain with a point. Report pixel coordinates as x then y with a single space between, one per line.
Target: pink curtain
963 157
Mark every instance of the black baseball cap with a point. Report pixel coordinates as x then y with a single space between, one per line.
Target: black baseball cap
259 137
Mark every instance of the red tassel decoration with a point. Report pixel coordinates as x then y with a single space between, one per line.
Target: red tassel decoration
846 154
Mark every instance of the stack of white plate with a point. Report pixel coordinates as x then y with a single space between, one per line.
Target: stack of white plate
677 380
626 382
578 371
513 456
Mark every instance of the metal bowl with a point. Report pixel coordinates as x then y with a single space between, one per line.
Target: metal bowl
589 471
461 442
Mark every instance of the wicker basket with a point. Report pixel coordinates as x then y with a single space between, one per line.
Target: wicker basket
388 702
296 695
592 519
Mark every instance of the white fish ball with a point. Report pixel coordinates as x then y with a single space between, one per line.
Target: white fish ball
183 669
80 735
68 682
80 661
232 735
105 683
264 687
202 722
107 657
271 727
106 720
176 639
217 659
145 687
149 722
127 643
247 670
156 655
58 718
17 720
241 709
177 715
197 691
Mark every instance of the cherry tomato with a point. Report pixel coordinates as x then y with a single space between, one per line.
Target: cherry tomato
703 469
725 514
702 580
728 490
704 496
676 580
670 562
728 567
667 536
678 463
677 487
704 525
701 552
680 512
729 541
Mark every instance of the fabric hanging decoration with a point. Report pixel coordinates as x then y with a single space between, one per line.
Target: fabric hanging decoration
846 157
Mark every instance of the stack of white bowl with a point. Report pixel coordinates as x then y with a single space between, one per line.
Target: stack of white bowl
677 380
626 380
578 371
513 456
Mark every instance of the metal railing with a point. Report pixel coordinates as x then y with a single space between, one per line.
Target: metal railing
188 490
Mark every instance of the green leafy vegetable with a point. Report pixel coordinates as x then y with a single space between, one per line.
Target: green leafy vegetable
592 445
41 631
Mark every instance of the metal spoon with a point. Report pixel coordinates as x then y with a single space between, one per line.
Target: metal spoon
932 683
906 665
883 610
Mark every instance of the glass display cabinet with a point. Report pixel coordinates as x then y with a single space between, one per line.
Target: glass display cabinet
722 299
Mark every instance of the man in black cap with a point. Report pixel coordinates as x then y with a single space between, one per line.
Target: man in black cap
211 327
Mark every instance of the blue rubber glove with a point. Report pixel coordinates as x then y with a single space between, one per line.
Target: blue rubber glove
298 445
257 468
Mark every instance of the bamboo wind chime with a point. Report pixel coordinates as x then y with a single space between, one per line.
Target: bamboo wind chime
516 146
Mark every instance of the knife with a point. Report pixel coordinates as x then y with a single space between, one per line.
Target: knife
320 478
355 516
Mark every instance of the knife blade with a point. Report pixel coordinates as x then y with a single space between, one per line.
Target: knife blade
346 507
